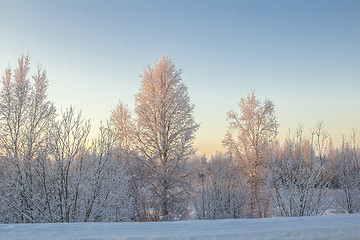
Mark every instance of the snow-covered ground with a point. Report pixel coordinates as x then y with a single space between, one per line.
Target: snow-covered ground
323 227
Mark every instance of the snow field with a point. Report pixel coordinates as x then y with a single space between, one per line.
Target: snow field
319 227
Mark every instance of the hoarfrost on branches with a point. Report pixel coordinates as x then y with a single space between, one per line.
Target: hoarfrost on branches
143 166
248 138
163 139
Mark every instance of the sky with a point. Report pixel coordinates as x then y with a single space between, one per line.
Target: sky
303 55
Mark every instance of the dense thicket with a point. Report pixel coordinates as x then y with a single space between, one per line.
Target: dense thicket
143 167
50 172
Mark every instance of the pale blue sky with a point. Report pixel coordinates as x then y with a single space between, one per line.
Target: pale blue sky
303 55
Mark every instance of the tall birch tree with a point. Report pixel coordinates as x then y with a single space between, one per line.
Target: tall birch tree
165 131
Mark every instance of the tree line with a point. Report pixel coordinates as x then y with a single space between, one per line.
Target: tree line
143 166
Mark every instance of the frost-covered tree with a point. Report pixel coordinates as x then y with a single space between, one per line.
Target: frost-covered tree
165 131
122 123
25 117
90 183
319 139
107 196
331 169
296 179
69 148
248 138
348 169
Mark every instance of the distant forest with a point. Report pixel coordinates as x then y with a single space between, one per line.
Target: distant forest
143 165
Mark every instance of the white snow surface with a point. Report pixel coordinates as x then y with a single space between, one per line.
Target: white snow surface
320 227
